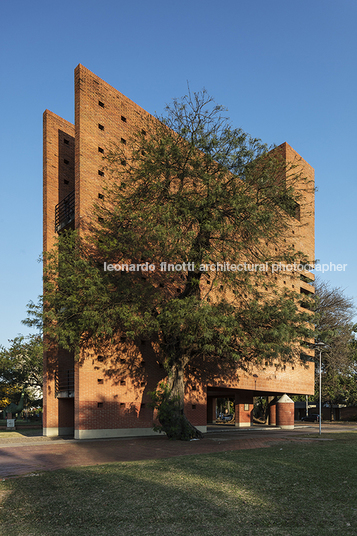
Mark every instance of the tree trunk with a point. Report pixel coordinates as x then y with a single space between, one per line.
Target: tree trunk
172 412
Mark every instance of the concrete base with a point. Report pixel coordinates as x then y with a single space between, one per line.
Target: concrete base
242 424
55 432
121 432
50 432
286 426
105 433
113 432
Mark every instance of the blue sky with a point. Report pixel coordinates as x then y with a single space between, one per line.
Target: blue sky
285 69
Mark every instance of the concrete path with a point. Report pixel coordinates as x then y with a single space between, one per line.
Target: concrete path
20 454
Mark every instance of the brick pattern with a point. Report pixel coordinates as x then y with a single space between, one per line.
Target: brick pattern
58 182
108 397
270 379
272 413
285 414
56 173
97 104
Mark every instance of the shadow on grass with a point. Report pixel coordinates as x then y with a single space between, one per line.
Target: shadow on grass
289 490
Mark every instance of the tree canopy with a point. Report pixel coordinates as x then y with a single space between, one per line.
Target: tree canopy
335 327
21 368
190 191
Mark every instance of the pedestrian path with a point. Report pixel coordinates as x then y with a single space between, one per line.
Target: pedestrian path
21 455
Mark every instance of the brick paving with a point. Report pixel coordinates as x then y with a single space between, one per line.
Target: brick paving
20 455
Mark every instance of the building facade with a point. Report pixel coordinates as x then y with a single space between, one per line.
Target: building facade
83 398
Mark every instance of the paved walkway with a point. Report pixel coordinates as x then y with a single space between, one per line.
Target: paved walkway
20 454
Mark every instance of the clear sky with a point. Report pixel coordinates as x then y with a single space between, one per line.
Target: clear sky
286 70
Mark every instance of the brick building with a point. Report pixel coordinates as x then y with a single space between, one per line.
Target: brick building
82 398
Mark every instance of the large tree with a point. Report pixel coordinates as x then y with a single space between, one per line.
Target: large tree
187 190
335 327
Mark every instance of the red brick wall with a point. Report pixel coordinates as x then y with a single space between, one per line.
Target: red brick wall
56 173
90 90
271 379
348 413
243 407
285 413
108 396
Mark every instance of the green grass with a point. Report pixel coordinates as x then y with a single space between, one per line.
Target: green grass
290 489
23 422
23 432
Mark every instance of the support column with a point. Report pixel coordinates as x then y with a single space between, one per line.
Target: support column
211 409
285 413
272 400
50 402
214 409
243 405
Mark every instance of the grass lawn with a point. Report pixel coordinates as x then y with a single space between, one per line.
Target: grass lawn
291 489
23 432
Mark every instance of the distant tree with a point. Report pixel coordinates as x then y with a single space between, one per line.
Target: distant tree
21 367
187 190
334 315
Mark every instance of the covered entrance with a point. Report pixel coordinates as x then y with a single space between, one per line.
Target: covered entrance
230 406
235 407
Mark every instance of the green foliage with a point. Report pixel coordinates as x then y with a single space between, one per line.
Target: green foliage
21 365
334 313
77 304
261 407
